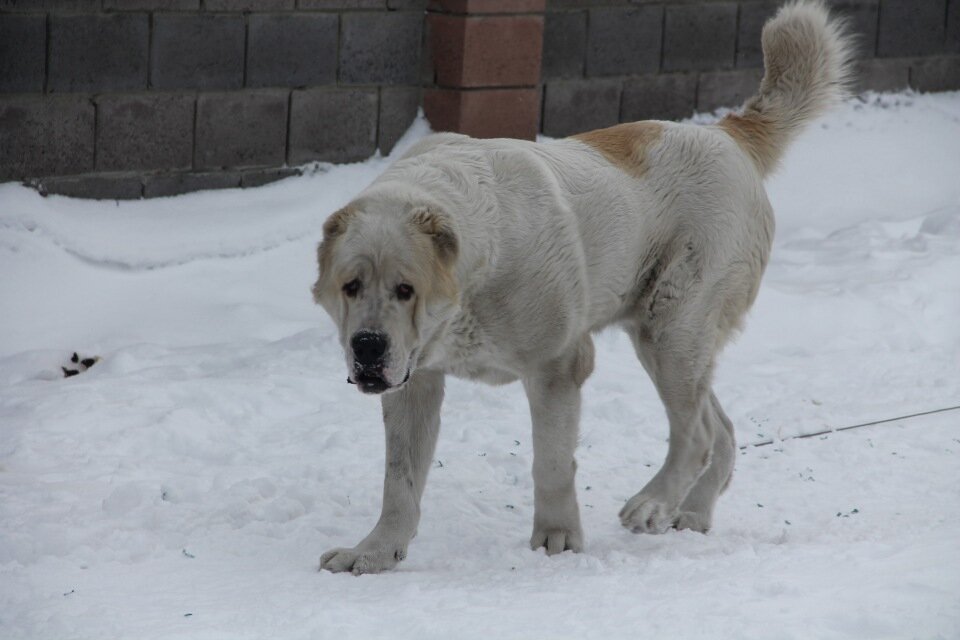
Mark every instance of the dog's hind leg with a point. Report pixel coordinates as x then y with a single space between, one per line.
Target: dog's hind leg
412 420
554 395
677 348
696 512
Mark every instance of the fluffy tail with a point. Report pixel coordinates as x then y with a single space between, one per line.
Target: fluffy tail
807 56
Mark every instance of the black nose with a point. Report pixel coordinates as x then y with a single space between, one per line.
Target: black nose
368 347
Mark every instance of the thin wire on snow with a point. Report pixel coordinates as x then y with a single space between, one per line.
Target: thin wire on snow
848 427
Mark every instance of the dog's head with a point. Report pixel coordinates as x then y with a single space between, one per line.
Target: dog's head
388 279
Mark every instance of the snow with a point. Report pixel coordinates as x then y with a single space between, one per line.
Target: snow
186 485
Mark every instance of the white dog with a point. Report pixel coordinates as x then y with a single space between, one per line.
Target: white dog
495 260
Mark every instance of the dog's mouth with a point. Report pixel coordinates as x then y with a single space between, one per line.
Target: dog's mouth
374 382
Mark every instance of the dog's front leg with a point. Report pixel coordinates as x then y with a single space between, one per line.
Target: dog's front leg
412 420
554 396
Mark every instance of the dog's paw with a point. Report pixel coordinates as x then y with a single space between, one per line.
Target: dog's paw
359 560
693 521
646 514
557 540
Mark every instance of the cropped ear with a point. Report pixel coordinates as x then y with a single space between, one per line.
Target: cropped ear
439 227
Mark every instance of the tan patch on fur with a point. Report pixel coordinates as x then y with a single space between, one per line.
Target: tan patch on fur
333 227
625 145
757 136
437 226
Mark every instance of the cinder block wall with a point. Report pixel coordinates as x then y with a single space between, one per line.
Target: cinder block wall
143 98
131 98
609 61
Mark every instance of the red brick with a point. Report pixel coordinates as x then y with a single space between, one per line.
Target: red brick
485 113
488 6
486 51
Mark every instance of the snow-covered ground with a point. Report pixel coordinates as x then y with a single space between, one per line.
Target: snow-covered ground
186 485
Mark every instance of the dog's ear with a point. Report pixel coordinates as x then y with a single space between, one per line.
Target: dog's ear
439 227
336 224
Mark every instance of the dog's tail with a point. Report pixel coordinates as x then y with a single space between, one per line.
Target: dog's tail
807 56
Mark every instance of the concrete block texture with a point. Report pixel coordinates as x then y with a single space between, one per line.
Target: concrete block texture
151 5
398 108
936 74
50 5
106 52
260 177
953 26
144 132
197 51
564 44
45 136
700 36
292 50
241 129
248 5
380 48
882 74
173 185
92 187
486 51
341 4
332 125
726 88
911 27
624 40
753 15
666 96
23 50
580 105
487 6
862 17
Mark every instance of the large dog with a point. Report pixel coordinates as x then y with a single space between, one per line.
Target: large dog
495 260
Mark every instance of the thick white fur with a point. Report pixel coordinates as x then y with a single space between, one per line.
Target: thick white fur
519 251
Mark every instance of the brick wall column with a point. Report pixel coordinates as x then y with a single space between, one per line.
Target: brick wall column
486 59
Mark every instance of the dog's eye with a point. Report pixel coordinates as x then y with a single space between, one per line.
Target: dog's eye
404 291
351 288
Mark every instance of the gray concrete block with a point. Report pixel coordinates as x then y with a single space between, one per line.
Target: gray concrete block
862 17
753 15
380 48
292 50
151 5
333 125
260 177
45 136
175 184
952 43
407 5
936 74
700 36
564 44
248 5
398 108
144 131
622 41
726 88
575 106
98 52
50 5
197 51
93 187
23 50
341 4
882 74
666 96
911 28
241 129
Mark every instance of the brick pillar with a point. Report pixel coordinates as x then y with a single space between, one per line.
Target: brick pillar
486 57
